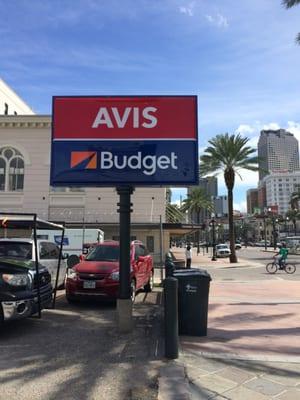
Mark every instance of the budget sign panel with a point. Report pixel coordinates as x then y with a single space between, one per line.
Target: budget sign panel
108 141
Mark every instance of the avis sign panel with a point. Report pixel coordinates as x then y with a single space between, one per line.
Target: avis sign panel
109 141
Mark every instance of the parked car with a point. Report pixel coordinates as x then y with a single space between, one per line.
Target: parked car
222 250
178 262
262 243
238 246
48 255
18 289
97 276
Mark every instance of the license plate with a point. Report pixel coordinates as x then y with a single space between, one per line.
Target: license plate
89 285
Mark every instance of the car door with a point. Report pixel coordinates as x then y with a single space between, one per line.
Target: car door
49 256
137 265
142 264
44 259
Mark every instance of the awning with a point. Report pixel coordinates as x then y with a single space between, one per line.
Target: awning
25 221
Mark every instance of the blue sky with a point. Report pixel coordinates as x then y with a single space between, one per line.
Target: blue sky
239 58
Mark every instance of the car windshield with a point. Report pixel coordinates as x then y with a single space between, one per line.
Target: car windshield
104 253
222 246
16 250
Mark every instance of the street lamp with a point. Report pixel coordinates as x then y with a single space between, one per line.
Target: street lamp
212 224
274 228
286 226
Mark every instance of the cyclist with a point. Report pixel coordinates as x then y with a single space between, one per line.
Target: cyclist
282 255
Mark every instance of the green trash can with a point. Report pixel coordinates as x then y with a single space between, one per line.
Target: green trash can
193 294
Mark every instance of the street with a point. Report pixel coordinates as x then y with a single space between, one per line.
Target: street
251 266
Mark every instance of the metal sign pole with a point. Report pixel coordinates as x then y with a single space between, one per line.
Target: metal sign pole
124 303
58 268
161 249
37 266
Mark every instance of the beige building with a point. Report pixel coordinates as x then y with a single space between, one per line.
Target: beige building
11 103
24 187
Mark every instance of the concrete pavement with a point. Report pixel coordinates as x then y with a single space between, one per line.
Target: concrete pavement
252 349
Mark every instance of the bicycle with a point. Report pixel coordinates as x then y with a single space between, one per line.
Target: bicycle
273 267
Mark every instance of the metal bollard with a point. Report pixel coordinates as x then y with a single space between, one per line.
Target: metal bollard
171 317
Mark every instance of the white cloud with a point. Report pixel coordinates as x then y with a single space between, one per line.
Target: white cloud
245 129
248 178
253 142
218 20
188 10
271 126
242 206
254 129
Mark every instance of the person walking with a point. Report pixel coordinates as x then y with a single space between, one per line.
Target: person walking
188 256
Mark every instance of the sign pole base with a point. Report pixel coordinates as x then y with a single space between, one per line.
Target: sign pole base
124 315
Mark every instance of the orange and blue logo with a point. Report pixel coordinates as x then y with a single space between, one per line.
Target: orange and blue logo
84 159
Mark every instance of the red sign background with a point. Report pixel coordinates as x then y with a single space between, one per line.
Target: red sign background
73 117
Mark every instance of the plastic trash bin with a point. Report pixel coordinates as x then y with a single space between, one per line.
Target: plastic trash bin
193 293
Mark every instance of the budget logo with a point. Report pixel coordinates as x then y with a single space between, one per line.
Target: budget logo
84 159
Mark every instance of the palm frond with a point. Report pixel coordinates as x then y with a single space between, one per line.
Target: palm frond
290 3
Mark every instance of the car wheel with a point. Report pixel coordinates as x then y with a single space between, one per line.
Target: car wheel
132 290
149 286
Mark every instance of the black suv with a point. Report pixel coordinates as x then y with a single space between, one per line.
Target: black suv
19 291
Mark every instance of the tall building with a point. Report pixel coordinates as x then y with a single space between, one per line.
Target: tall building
11 103
262 195
278 151
220 206
210 188
252 200
279 187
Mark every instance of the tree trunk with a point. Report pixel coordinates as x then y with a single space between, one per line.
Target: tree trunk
233 258
198 233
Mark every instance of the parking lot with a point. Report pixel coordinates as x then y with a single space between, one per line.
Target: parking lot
76 352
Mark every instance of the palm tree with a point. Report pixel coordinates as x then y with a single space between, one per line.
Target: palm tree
295 197
173 213
289 4
228 154
197 201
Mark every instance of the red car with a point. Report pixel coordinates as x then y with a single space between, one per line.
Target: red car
97 276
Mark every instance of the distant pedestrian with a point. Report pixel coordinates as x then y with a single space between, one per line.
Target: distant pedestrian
188 256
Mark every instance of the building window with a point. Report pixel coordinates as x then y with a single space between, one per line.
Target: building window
11 170
5 109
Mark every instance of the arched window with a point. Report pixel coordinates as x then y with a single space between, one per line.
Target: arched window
11 170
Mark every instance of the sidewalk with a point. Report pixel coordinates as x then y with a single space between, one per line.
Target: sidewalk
252 350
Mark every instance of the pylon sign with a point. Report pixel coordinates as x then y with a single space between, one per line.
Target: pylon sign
136 140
